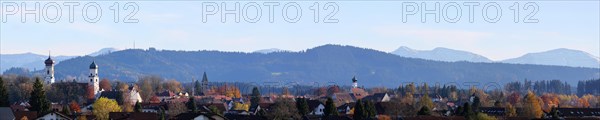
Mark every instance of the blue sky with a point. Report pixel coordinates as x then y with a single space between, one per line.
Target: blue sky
177 25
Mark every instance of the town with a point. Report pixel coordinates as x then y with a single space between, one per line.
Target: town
152 97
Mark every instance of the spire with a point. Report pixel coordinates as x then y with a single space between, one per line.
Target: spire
49 61
93 65
354 79
204 78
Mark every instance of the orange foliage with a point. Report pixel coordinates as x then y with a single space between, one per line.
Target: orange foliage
514 98
74 107
105 85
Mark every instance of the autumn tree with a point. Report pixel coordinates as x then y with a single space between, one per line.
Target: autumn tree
3 94
149 85
510 111
532 106
89 92
514 98
322 91
283 108
426 101
176 108
172 85
38 99
74 106
103 106
21 88
122 86
333 89
105 85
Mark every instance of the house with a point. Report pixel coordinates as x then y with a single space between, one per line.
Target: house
134 94
165 95
19 115
54 116
6 114
316 107
345 108
493 111
219 105
110 94
578 112
132 116
199 116
244 117
153 107
358 93
342 98
377 97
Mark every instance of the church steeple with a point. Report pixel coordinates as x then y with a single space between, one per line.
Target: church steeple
354 82
204 82
49 78
94 78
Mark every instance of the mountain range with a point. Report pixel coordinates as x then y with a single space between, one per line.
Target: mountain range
558 57
34 62
322 65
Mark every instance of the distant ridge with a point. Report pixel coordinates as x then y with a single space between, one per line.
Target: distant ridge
556 57
560 57
441 54
323 64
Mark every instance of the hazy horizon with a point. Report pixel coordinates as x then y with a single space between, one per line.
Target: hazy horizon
377 25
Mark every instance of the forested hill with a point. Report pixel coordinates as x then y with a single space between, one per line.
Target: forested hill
328 63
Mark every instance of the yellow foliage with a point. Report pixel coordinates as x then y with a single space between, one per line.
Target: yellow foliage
103 106
532 106
240 106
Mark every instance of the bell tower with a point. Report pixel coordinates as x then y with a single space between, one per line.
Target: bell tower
94 80
49 71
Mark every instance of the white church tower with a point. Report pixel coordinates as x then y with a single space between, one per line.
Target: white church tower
94 79
49 78
354 82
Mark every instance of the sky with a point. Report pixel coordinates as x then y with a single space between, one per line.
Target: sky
380 25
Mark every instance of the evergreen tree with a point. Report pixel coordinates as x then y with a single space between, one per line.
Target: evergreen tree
370 109
468 112
476 103
138 107
554 113
119 98
302 106
216 110
38 99
197 88
424 111
3 94
191 105
359 111
255 96
161 114
330 107
66 110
